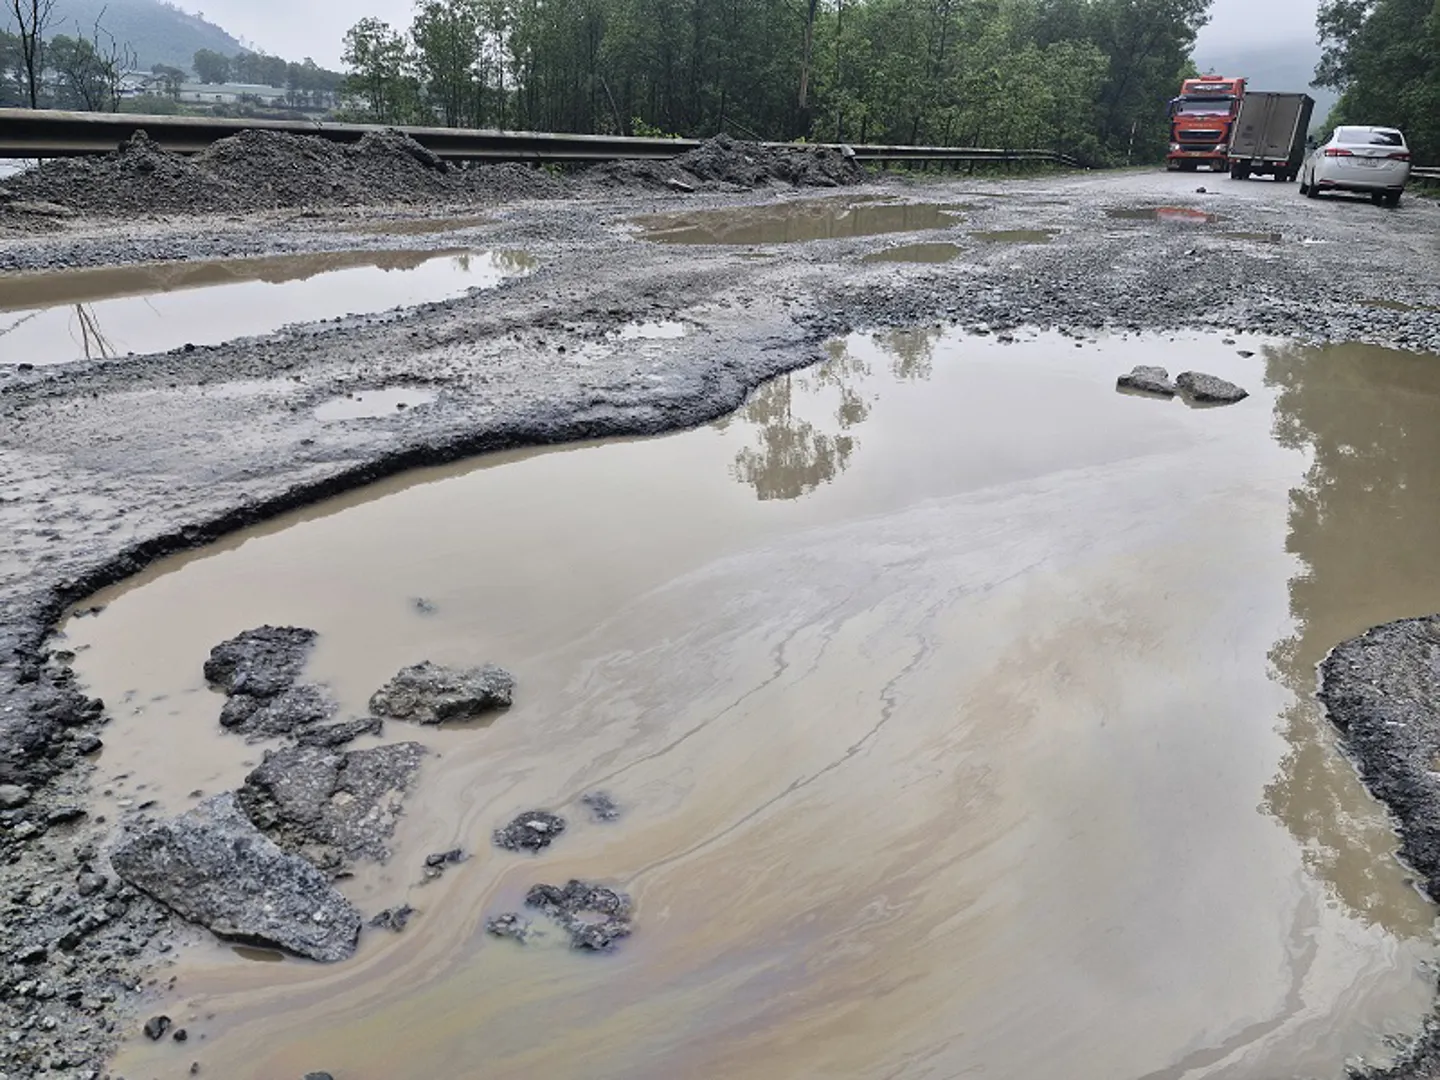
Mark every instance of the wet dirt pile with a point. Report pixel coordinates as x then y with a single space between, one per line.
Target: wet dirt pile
268 170
725 164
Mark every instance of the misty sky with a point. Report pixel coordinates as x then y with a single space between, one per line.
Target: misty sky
297 29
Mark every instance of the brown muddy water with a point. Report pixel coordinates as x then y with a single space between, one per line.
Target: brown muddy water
961 709
1174 215
916 253
368 404
110 312
798 221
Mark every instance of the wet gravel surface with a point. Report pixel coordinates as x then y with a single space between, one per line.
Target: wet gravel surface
105 467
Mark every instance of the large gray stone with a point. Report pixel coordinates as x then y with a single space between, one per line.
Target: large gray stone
331 806
284 714
430 694
1147 380
262 663
214 867
1209 390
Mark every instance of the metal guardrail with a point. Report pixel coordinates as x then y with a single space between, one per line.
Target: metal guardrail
1429 176
43 133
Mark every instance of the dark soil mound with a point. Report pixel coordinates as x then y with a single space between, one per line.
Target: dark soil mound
138 178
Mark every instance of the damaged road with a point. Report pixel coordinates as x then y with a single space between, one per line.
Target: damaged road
107 466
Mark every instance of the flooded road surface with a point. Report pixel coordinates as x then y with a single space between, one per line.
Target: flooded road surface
916 253
960 710
798 221
1175 215
109 312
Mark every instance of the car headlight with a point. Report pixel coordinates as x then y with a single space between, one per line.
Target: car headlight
1174 147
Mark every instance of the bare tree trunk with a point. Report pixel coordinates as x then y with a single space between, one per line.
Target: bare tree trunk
32 17
807 50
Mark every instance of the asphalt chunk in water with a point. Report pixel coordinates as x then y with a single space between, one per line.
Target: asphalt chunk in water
108 313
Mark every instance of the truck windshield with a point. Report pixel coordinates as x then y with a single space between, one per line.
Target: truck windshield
1204 108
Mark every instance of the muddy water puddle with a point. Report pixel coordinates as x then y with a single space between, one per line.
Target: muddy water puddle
369 404
415 226
961 711
1172 215
798 222
916 253
111 312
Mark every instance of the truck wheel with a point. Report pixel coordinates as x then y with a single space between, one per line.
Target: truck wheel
1310 192
1234 172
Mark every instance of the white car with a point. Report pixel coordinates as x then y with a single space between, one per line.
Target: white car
1373 161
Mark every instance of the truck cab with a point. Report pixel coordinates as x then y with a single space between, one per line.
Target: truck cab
1202 122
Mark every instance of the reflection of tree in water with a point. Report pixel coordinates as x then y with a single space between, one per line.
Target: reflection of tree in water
913 351
1363 525
794 456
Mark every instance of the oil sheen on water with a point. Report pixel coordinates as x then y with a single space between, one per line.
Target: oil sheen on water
961 710
105 313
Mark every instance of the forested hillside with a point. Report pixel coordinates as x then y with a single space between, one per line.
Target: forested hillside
1087 76
1384 58
158 32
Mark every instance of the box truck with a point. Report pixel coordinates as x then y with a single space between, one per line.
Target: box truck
1269 137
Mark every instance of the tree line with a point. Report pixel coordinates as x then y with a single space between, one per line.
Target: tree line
1089 77
91 71
1383 56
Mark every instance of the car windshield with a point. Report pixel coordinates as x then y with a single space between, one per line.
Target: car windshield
1355 136
1204 108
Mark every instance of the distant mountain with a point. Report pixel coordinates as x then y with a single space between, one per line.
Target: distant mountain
1286 67
158 32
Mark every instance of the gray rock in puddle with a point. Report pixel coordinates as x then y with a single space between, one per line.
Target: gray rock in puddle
510 925
334 735
593 916
262 663
601 805
331 806
285 714
1209 390
1147 380
213 867
533 830
430 694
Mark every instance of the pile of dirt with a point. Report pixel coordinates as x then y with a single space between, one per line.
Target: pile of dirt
139 177
726 161
270 170
304 170
725 164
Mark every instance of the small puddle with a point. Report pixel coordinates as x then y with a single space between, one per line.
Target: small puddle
1174 215
111 311
1398 305
370 404
915 253
798 222
871 665
660 330
414 226
1016 236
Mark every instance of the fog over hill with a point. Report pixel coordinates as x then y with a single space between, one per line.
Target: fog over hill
158 32
1285 66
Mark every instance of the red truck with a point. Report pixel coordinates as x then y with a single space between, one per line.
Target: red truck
1202 122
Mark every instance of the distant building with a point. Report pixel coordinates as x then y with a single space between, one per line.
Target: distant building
231 94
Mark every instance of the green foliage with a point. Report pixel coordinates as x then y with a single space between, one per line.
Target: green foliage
1384 58
151 105
1090 77
641 130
